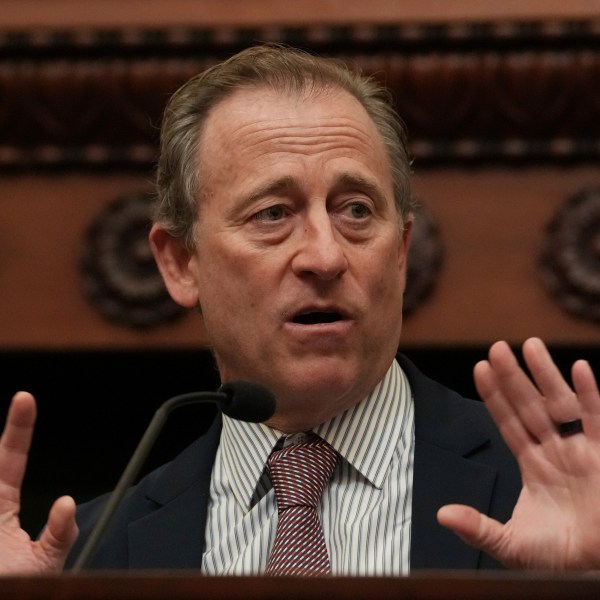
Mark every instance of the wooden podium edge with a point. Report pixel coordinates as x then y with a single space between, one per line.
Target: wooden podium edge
188 585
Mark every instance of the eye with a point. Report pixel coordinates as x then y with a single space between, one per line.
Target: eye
358 210
272 213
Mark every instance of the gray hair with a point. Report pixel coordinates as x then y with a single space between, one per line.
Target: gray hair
179 183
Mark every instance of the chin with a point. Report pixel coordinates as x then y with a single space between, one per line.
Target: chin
321 375
311 398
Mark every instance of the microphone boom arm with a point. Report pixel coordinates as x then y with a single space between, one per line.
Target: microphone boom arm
135 464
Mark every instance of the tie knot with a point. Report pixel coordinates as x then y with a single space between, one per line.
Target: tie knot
299 473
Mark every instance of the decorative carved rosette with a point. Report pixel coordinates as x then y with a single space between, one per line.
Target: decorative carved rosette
425 258
570 257
119 274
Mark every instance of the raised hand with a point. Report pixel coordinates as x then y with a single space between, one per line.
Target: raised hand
556 522
20 554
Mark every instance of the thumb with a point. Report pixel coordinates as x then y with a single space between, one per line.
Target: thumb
473 527
60 533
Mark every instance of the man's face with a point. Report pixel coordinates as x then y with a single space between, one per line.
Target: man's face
300 259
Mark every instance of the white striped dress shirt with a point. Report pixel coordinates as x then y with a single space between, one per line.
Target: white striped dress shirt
365 509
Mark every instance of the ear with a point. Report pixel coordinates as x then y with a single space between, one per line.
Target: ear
174 263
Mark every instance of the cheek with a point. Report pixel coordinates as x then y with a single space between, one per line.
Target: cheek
387 298
388 292
393 262
230 285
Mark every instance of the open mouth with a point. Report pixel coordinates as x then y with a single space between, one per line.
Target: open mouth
317 317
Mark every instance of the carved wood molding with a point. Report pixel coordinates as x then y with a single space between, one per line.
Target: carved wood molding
468 92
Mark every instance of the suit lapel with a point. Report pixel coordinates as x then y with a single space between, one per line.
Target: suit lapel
172 536
441 478
447 438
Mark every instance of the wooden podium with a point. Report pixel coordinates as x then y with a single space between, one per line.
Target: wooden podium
188 585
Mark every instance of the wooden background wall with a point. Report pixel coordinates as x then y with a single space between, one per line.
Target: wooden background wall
502 103
502 106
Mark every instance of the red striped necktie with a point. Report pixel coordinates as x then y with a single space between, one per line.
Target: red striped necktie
299 474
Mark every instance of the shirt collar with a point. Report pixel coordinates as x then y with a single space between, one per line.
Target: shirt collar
366 435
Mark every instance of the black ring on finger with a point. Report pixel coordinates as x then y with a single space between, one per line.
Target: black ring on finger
569 428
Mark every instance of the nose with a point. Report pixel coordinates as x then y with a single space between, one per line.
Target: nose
320 250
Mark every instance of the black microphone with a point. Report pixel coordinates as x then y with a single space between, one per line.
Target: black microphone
237 399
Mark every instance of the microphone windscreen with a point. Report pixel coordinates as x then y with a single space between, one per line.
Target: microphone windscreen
247 401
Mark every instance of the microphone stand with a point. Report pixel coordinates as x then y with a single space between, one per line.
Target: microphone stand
135 464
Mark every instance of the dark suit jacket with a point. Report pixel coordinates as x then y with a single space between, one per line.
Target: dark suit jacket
459 457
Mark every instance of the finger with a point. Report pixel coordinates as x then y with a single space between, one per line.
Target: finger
473 527
15 443
560 400
504 415
60 533
520 392
588 395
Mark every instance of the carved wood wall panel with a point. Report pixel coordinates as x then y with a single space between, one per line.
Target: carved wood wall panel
490 105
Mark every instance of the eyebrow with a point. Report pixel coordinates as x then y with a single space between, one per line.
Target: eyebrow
353 181
288 183
273 188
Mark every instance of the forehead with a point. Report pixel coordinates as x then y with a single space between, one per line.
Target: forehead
258 121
